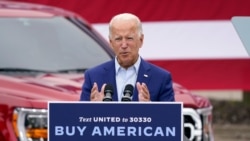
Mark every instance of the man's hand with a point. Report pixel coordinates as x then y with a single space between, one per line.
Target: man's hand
143 92
95 94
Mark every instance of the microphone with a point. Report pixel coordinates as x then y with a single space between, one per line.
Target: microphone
128 92
108 92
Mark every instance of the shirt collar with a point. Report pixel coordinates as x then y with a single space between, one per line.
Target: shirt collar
136 65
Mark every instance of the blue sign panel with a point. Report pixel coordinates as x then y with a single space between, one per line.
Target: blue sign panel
115 121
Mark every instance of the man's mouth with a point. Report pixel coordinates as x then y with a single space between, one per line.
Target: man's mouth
124 53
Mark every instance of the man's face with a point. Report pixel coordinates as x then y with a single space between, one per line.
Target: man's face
126 42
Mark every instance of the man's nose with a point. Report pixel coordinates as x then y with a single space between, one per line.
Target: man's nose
124 43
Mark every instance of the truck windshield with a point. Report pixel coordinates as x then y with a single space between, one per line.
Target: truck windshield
49 44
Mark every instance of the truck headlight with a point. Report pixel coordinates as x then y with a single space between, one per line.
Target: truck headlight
30 124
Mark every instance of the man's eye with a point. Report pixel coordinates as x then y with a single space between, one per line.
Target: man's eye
130 38
118 39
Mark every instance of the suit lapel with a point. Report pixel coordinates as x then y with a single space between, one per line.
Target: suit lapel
144 75
109 77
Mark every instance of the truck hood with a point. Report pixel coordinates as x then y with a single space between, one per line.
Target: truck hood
40 89
36 91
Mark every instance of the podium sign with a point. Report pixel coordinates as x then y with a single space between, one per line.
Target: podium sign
115 121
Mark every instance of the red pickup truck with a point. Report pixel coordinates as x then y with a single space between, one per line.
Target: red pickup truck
44 52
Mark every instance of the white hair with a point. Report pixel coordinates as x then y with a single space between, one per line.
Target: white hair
126 16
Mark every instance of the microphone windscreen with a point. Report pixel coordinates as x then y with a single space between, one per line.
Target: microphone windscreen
129 89
108 88
108 92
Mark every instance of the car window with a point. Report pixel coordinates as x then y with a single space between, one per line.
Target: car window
49 44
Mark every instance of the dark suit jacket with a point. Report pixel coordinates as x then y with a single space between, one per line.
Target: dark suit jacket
158 81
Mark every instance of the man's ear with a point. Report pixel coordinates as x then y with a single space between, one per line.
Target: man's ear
142 39
110 43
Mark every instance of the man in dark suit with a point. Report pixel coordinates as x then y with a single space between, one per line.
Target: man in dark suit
151 82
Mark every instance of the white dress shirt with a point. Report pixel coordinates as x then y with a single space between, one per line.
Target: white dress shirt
126 76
